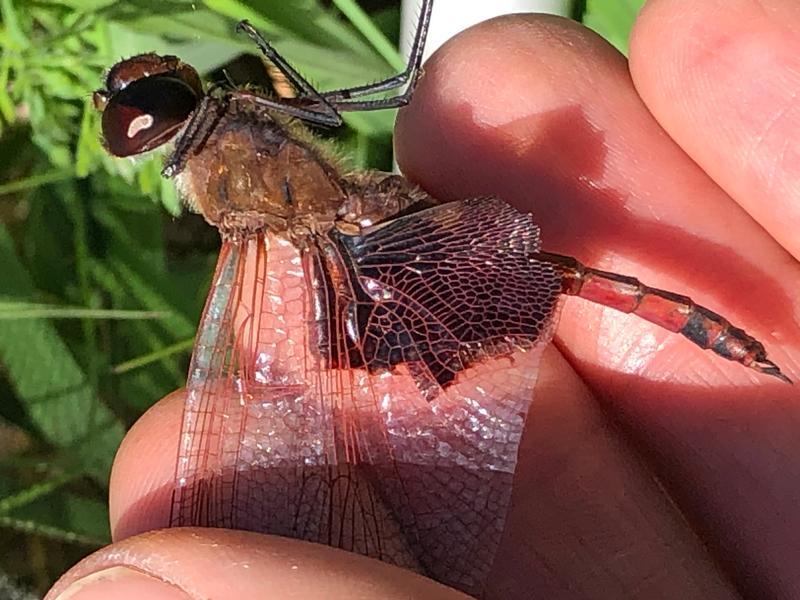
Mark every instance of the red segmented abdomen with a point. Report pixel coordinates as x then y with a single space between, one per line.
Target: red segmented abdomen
674 312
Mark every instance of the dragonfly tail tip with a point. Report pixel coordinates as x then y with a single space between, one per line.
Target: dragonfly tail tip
770 368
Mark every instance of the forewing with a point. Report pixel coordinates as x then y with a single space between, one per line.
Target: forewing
381 415
268 435
265 435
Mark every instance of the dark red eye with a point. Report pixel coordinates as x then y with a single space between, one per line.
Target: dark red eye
146 113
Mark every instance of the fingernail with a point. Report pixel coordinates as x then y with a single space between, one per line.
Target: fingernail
121 583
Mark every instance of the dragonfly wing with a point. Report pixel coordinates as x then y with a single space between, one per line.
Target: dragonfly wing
452 297
371 395
265 432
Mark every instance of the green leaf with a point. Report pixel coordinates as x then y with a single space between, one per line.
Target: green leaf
613 20
6 103
48 380
88 146
11 23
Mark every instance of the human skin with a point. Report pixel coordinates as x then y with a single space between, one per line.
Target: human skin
649 468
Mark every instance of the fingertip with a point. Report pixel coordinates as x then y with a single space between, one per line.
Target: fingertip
518 107
142 476
494 87
721 78
181 563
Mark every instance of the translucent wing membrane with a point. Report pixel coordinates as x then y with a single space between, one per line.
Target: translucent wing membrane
352 393
450 285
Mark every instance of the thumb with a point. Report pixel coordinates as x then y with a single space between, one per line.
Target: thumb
187 563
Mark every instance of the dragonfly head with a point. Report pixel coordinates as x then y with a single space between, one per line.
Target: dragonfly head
147 99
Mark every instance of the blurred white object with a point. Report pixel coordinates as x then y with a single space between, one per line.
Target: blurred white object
452 16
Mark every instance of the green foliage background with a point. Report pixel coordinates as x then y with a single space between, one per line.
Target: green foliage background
102 278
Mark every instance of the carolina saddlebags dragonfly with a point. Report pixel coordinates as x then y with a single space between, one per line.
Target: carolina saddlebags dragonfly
367 354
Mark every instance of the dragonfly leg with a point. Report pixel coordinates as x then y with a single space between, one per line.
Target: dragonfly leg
674 312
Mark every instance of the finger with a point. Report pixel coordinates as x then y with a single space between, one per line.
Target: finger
723 78
142 478
588 519
542 113
581 500
186 563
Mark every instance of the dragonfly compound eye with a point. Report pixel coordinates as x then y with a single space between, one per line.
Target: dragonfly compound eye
146 113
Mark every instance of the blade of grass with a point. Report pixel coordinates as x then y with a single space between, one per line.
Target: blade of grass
35 181
31 310
146 294
144 331
146 359
50 532
34 492
238 11
361 21
76 204
87 141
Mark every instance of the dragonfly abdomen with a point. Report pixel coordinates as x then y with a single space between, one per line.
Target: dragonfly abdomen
677 313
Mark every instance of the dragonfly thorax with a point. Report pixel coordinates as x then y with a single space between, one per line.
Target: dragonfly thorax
255 172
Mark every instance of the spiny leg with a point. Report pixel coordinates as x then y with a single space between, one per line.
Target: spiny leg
317 108
671 311
323 108
344 99
201 125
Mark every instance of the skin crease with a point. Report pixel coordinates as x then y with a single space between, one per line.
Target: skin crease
649 468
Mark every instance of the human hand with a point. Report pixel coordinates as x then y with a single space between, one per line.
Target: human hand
543 114
540 112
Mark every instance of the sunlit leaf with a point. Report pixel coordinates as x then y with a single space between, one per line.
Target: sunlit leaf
613 20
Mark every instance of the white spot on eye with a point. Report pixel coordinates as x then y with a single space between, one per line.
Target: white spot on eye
140 123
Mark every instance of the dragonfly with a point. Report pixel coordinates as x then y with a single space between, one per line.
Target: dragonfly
367 355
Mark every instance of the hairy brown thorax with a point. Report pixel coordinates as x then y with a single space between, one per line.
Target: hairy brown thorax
254 172
258 171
